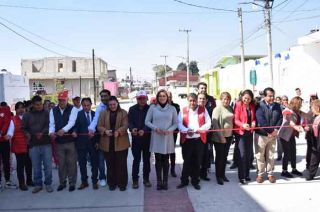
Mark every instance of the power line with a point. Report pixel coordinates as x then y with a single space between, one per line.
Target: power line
278 5
288 16
205 7
297 19
31 41
42 38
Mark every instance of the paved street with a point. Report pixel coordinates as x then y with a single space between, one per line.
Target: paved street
286 195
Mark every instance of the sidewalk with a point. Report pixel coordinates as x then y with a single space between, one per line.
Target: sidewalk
286 195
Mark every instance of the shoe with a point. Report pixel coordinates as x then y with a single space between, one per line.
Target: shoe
252 167
286 174
248 179
72 188
228 162
220 181
83 186
122 188
271 179
95 186
279 159
309 178
165 185
225 179
61 187
37 189
102 183
112 188
296 172
182 185
30 183
243 182
259 179
135 185
23 187
196 186
147 183
233 166
205 178
173 173
159 185
49 188
9 184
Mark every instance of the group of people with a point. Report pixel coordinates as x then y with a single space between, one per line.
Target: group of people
75 134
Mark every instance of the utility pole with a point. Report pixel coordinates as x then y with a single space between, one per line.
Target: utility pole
80 85
242 50
94 78
267 9
155 82
165 70
188 72
131 79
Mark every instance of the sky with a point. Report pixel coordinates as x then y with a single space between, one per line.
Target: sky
135 33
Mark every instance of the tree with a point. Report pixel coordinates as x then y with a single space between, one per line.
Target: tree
193 68
159 69
182 67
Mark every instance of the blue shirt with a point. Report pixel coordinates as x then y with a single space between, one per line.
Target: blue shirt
101 107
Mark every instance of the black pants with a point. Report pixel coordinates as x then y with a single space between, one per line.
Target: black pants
205 160
222 150
246 152
289 153
236 152
173 155
117 171
94 161
314 163
192 150
139 148
309 149
162 167
5 158
24 166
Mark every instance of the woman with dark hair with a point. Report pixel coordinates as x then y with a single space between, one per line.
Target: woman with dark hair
114 142
292 119
245 121
162 119
19 146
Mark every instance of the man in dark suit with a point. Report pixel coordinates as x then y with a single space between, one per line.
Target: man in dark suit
86 144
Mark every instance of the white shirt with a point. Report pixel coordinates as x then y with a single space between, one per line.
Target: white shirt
11 128
78 109
70 124
194 122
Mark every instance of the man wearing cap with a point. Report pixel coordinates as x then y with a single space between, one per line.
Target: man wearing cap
104 97
62 119
76 100
140 139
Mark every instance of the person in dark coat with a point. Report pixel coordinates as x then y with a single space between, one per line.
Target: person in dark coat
141 135
86 144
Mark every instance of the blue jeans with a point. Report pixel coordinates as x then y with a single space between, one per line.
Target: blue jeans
102 166
246 152
41 155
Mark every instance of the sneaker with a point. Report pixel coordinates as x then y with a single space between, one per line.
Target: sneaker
102 183
296 172
10 185
49 188
37 189
286 174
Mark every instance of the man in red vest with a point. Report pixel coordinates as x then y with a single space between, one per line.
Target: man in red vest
193 122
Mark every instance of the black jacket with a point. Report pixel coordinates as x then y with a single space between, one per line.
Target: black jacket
136 119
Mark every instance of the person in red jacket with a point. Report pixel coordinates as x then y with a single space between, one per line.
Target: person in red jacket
19 146
5 118
245 121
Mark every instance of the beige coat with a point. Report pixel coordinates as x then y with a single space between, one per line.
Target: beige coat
122 142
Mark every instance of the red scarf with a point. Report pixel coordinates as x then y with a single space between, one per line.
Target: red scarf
201 121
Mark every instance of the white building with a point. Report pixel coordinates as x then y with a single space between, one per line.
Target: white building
72 73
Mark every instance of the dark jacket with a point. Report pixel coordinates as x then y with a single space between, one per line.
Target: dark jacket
136 119
81 127
61 120
35 122
211 104
268 117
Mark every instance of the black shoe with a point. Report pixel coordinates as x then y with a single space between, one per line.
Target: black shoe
147 183
72 188
248 179
112 188
225 179
228 162
165 185
173 173
135 184
122 188
243 182
205 178
220 181
23 187
196 186
182 185
233 166
252 167
61 187
296 172
286 174
159 185
309 178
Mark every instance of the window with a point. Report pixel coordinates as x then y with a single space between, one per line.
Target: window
74 66
37 66
38 86
60 67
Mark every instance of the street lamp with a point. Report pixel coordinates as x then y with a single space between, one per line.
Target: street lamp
188 72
